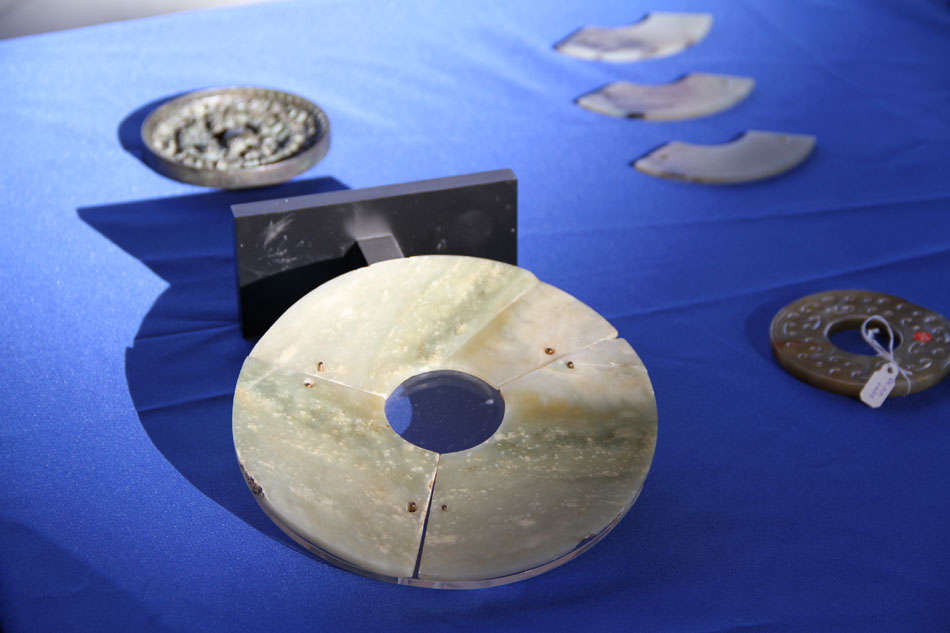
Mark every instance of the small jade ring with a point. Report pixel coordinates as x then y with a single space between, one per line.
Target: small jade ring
800 340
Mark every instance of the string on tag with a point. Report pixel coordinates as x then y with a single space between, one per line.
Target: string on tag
886 354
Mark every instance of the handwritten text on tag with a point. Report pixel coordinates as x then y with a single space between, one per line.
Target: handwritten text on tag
879 385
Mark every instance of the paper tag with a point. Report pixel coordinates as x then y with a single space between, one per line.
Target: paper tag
879 385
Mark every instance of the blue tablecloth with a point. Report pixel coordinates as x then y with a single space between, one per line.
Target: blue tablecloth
771 506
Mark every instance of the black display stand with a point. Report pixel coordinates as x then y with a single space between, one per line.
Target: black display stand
285 248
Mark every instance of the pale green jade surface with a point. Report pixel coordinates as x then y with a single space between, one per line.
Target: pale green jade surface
755 155
568 460
543 325
695 95
570 456
375 327
330 468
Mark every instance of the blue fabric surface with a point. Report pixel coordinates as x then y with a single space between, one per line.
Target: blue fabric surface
772 506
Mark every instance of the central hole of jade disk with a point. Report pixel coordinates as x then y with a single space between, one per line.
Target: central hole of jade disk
445 411
847 336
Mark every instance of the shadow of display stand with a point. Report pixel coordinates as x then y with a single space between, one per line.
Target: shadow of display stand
286 247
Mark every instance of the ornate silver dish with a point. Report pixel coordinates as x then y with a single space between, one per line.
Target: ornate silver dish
235 138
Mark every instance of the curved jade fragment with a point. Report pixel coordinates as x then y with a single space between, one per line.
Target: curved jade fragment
755 155
692 96
373 328
659 34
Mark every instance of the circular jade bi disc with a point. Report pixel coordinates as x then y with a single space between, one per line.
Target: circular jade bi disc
566 463
801 340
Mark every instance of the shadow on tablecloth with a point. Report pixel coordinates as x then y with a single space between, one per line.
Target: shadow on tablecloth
186 356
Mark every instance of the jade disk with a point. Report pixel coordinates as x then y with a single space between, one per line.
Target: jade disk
800 340
566 463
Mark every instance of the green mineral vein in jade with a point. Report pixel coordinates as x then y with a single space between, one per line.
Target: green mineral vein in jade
570 456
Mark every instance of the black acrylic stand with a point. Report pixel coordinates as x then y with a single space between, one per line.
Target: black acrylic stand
285 248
